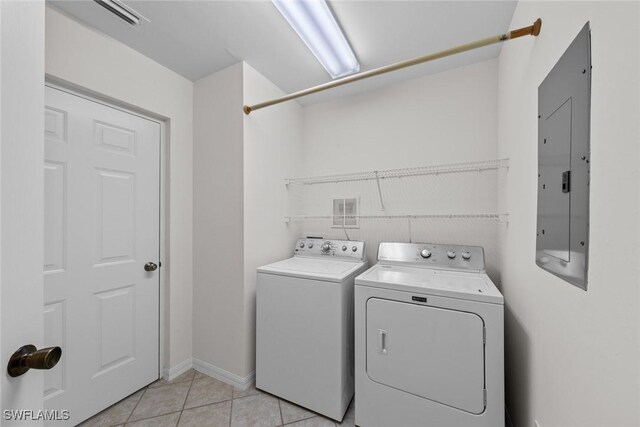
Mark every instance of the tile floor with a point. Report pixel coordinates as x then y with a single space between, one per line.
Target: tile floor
197 400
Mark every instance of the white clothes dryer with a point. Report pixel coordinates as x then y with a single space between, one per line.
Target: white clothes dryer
429 339
304 325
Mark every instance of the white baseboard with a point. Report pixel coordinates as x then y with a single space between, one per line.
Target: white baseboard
174 372
225 376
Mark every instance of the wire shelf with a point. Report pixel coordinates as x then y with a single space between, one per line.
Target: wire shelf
405 172
502 218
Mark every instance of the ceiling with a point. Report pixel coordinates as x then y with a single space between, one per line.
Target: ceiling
198 38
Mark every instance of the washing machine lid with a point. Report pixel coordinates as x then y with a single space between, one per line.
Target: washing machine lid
454 284
314 268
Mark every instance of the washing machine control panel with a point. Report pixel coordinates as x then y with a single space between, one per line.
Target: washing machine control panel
447 257
348 249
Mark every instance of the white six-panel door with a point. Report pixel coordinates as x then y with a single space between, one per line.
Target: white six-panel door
101 227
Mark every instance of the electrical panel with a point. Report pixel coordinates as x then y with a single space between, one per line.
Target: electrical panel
564 104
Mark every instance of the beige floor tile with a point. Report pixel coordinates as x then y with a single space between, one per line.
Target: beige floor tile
208 390
187 376
291 412
170 420
251 390
207 403
216 415
314 422
259 410
200 375
116 414
161 400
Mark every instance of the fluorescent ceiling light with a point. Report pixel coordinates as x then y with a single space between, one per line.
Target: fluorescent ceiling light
318 29
122 11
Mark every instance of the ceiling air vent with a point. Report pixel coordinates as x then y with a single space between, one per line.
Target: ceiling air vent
122 11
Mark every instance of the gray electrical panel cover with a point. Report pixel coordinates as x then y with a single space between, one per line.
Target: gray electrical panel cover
564 104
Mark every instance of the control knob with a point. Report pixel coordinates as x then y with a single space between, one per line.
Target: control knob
326 247
354 249
425 253
310 245
466 255
301 245
451 254
344 248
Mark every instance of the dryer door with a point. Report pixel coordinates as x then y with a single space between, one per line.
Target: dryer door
434 353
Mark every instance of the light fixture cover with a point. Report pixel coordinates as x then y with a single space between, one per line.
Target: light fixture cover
122 11
318 29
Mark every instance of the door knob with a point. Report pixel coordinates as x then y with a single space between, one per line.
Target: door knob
29 357
150 266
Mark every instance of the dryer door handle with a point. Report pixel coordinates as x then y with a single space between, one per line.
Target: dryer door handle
382 342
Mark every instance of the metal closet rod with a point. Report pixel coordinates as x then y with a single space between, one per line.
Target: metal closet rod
532 30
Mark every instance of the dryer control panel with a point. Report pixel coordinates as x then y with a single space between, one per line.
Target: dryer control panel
446 257
346 249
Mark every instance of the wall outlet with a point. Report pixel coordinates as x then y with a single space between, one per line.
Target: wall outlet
536 423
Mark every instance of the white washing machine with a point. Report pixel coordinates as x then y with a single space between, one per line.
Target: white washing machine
304 325
429 339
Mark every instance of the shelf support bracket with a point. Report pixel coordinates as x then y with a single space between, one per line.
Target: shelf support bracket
379 191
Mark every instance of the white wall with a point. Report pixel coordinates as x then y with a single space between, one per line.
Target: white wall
444 118
22 192
240 202
272 150
572 356
218 304
447 117
95 62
